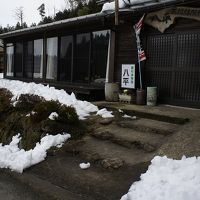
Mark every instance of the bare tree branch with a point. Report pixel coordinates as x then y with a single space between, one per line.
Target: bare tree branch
19 14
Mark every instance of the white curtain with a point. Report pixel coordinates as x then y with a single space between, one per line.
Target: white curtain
52 49
10 60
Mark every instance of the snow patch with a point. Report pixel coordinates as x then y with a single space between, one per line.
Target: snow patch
168 179
18 159
105 113
53 115
1 75
84 165
83 108
123 4
128 116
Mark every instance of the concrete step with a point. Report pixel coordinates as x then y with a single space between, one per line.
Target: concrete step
171 114
149 125
94 183
129 138
95 149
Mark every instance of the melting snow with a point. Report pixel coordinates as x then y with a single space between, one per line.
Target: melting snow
18 159
128 116
84 165
83 108
168 179
53 115
105 113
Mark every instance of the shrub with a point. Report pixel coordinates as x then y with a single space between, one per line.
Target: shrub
44 109
27 102
67 114
5 100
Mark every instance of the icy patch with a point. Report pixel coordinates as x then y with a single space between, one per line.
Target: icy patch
84 165
105 113
18 159
168 179
53 115
83 108
130 117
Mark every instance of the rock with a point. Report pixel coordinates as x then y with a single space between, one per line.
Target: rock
112 163
106 121
104 135
149 148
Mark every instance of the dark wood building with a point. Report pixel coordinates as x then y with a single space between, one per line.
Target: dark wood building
80 54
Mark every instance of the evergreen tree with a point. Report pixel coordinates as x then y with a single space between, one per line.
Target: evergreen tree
41 10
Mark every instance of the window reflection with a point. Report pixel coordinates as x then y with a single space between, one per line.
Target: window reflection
100 53
38 58
28 59
66 57
52 51
18 59
81 59
10 59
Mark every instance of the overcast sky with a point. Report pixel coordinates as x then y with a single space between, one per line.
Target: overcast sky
31 14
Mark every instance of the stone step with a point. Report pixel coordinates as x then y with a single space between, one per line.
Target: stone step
129 138
149 125
94 183
97 150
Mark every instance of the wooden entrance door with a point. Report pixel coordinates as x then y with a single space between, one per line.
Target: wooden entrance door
173 65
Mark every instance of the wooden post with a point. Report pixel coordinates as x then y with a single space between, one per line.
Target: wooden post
116 12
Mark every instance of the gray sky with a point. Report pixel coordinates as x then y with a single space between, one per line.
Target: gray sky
31 14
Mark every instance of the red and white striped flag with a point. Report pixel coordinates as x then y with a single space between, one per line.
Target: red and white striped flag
138 27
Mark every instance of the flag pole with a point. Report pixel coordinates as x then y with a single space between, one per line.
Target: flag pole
140 71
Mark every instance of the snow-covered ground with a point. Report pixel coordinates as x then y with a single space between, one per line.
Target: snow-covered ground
17 159
168 179
83 108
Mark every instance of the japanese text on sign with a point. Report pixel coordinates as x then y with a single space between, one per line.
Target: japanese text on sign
128 76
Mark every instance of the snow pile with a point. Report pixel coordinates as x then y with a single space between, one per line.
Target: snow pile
123 4
105 113
1 75
84 165
18 159
168 179
53 115
83 108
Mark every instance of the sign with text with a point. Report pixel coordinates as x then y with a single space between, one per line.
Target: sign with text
128 76
163 19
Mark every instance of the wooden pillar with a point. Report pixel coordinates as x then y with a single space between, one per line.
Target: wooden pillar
111 59
116 12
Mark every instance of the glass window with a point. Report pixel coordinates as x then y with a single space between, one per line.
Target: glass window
66 44
100 54
19 59
81 58
10 59
52 51
28 59
38 58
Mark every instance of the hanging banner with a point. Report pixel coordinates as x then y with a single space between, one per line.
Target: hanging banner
163 19
138 27
128 76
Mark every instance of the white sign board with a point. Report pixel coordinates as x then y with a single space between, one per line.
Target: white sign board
128 76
